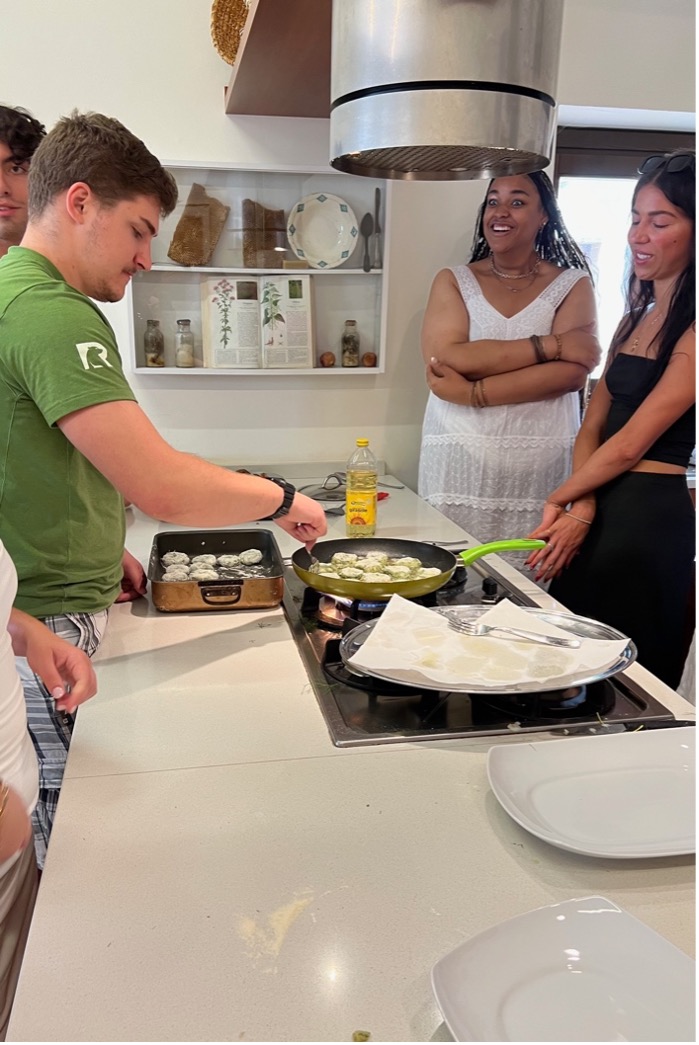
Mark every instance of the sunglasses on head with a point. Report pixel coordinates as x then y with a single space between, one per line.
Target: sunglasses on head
672 164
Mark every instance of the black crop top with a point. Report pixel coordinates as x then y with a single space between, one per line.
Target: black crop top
626 378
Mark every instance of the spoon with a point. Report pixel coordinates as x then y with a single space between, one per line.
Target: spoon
366 228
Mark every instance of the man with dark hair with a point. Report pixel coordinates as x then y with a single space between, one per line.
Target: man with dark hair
74 441
20 135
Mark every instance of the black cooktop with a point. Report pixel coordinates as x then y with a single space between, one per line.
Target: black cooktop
365 710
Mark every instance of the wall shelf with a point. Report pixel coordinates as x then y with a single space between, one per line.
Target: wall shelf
168 291
282 65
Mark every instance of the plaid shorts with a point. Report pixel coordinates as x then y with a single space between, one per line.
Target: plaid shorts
50 729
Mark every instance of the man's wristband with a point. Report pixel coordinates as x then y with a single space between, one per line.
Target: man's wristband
289 494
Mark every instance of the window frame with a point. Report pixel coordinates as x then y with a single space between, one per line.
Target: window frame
595 152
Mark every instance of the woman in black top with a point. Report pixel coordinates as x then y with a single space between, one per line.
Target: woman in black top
620 531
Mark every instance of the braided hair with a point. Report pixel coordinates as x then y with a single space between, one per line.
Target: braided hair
679 187
553 243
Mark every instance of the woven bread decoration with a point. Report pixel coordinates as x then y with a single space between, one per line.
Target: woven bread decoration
263 230
199 229
227 23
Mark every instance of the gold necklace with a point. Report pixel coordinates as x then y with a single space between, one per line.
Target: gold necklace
531 275
649 326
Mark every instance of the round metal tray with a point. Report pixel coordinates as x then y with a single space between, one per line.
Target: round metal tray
582 627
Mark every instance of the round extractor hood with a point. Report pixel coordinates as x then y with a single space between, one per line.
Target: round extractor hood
443 89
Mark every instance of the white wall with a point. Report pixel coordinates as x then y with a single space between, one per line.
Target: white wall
151 63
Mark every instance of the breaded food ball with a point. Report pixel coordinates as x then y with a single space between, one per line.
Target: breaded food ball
344 559
228 560
175 559
203 574
250 556
372 566
399 573
409 561
176 573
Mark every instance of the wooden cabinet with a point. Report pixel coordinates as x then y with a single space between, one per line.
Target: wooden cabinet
338 292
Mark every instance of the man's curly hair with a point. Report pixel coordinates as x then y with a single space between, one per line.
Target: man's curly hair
20 132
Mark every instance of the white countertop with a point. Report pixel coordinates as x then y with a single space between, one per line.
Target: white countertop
220 871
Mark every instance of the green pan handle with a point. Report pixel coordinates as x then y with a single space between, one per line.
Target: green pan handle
522 545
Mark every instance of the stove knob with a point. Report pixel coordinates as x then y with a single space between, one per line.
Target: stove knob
490 590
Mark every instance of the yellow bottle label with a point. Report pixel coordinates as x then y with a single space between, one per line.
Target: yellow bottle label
360 510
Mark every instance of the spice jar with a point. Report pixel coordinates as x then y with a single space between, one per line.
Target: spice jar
154 344
184 344
350 343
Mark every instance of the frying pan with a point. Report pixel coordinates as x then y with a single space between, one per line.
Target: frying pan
428 554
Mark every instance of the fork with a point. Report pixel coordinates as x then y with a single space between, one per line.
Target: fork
474 627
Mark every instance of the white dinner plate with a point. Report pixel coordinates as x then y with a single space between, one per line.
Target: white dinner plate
623 795
322 230
583 970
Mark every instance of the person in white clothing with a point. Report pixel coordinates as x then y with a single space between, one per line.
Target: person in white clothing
508 341
69 676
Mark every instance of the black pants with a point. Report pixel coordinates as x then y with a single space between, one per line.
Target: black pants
635 569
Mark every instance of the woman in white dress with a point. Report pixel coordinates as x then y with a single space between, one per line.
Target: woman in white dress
508 341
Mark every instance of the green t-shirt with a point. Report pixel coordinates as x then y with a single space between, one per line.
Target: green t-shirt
60 519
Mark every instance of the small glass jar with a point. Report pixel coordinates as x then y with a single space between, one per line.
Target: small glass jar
350 343
184 344
154 343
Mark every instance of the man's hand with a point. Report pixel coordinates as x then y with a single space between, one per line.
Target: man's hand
305 521
133 582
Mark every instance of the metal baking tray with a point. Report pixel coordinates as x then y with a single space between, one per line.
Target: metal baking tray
229 593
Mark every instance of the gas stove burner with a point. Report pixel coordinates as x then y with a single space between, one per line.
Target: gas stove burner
336 612
333 612
456 582
335 669
576 701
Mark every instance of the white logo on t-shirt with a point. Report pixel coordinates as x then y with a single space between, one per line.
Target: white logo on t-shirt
83 350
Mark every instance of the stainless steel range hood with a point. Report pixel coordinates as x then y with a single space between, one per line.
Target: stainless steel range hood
443 89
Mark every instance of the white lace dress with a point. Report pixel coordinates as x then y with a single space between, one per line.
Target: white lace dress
491 469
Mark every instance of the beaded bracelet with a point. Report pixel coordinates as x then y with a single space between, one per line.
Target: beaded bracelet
578 518
559 347
484 398
538 348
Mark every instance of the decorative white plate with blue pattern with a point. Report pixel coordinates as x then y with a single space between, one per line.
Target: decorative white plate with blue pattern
322 230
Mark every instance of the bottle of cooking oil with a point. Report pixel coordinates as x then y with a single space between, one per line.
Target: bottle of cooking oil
360 499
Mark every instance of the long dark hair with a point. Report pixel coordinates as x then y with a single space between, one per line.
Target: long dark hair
553 243
679 187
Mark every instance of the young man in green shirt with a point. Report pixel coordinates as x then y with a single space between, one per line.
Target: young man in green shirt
73 441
